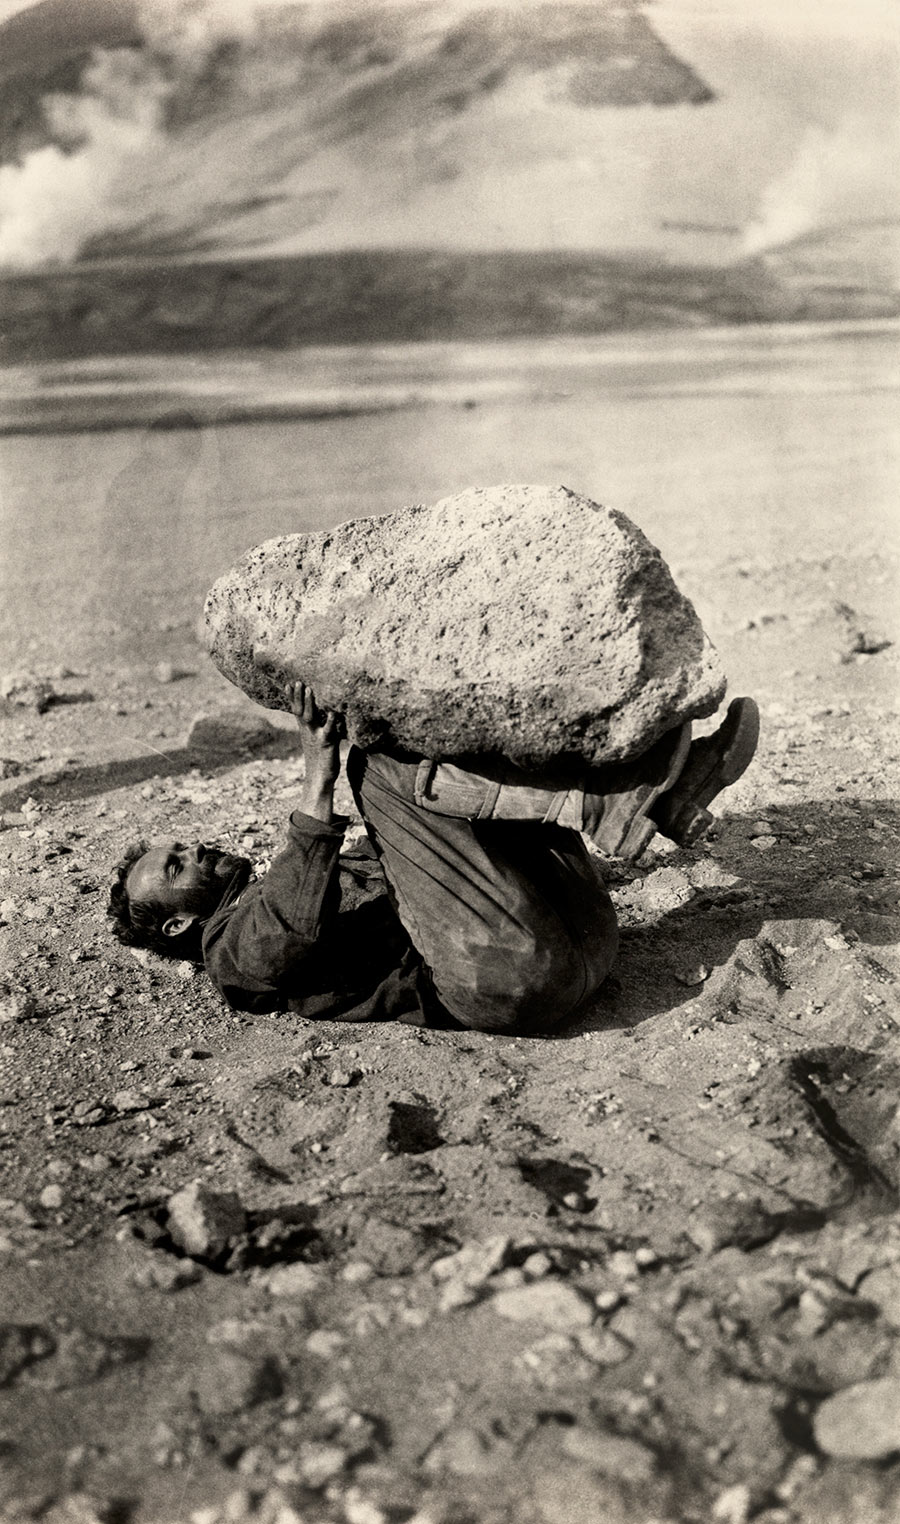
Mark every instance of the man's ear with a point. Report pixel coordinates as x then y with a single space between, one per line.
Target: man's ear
176 924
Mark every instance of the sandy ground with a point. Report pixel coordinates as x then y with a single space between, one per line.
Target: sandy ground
645 1270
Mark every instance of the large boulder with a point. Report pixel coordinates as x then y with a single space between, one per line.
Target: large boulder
520 621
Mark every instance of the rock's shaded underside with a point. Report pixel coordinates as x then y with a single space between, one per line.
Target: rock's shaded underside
523 621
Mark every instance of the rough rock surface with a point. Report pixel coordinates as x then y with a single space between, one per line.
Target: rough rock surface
523 621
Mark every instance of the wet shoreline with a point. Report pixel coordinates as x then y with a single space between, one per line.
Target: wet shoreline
313 382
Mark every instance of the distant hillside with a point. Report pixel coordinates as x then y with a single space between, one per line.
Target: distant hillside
127 307
196 127
838 263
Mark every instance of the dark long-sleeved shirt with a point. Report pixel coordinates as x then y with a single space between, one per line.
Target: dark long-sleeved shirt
286 943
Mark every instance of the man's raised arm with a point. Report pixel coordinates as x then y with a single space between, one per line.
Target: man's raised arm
256 947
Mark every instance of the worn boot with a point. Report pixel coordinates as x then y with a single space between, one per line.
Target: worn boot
713 763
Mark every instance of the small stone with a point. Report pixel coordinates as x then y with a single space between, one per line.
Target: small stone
129 1100
550 1303
622 1265
732 1506
203 1222
475 1262
696 974
604 1346
51 1197
163 1272
504 1280
231 1381
799 1473
239 1507
537 1265
26 691
292 1280
645 1258
813 1314
608 1299
17 1008
610 1454
341 1078
357 1271
725 1221
252 1460
456 1294
325 1343
575 1201
360 1510
167 672
319 1463
95 1164
861 1422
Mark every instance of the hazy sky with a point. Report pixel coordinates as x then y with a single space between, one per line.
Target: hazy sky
791 18
783 18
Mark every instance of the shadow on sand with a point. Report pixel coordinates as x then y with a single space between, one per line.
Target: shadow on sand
103 777
805 877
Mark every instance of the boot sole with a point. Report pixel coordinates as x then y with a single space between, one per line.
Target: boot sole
738 736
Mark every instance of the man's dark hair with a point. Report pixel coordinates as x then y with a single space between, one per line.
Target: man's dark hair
139 923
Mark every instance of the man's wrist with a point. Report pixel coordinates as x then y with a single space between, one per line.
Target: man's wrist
317 799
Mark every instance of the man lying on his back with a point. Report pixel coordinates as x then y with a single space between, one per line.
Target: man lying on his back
495 914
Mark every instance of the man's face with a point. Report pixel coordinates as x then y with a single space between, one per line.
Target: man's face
184 880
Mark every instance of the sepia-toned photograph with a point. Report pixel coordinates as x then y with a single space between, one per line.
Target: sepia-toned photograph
449 760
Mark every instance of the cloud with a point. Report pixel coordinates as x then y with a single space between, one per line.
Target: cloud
832 174
112 134
61 196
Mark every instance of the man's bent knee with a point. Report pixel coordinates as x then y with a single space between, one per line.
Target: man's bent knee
534 1003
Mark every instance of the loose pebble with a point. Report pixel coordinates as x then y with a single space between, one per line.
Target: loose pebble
291 1280
551 1303
861 1422
610 1454
203 1221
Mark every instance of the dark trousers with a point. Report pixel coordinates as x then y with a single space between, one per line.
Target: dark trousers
510 917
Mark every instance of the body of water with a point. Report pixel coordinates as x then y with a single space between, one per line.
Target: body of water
765 444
